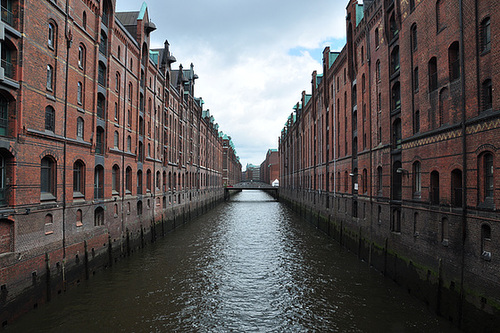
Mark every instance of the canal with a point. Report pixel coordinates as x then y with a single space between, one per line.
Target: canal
250 265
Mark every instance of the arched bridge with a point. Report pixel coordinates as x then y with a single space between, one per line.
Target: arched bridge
258 186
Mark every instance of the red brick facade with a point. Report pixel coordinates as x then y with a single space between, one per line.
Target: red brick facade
102 143
270 168
397 147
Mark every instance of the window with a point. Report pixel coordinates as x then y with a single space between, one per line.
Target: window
139 207
416 122
379 180
397 181
103 45
415 79
454 61
486 179
128 180
101 75
48 178
444 106
376 38
456 188
99 141
393 27
3 181
4 116
117 82
414 40
81 56
117 113
79 94
434 188
50 77
485 35
79 128
79 216
99 182
433 78
84 20
50 118
412 5
377 71
101 106
130 92
486 242
115 180
78 178
158 179
52 35
116 140
129 143
440 14
417 180
396 96
487 95
148 180
98 216
119 52
139 182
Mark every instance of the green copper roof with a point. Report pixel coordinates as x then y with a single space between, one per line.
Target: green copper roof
143 11
308 97
332 58
154 55
359 13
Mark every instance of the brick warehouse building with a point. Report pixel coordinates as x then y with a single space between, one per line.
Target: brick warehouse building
395 150
103 145
269 168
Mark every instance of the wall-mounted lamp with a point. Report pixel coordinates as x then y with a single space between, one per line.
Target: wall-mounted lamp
401 170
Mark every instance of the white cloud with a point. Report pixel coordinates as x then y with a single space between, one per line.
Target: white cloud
248 77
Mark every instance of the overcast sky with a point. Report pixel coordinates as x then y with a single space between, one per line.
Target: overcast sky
253 58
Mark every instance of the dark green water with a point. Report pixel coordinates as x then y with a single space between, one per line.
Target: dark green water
250 265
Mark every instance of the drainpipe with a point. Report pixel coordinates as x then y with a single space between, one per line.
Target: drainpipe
464 161
69 41
369 111
124 122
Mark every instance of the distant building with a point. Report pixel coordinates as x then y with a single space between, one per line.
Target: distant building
253 173
270 168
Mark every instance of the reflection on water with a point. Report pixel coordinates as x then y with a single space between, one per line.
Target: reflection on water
250 265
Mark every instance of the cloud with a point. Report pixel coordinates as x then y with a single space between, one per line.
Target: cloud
253 58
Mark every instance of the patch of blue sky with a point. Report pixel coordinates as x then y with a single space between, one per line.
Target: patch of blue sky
317 53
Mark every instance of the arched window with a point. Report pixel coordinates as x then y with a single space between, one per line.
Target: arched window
377 71
84 20
377 39
148 180
393 26
129 144
128 180
454 61
485 35
78 179
486 179
117 82
50 77
79 93
164 181
434 188
50 118
99 182
115 180
414 39
101 106
158 179
103 45
139 182
417 179
79 128
51 41
433 75
415 79
116 140
395 60
101 75
99 141
396 96
139 207
48 178
98 216
81 56
412 5
379 181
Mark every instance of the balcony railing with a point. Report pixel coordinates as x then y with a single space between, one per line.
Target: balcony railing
7 16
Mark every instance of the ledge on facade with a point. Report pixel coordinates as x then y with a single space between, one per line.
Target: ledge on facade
9 82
